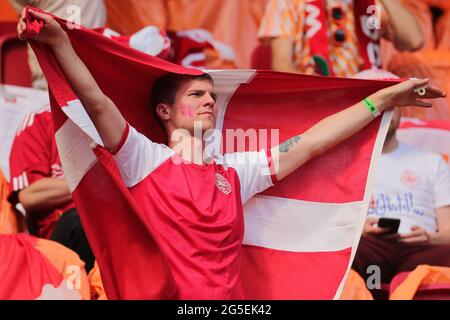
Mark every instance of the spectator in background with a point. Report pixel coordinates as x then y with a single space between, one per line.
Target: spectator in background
432 61
38 185
412 185
92 15
335 37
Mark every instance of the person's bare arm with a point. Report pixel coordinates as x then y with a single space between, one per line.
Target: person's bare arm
331 131
282 53
443 223
45 194
107 119
403 29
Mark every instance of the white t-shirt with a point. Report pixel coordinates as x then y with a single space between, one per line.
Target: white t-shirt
409 185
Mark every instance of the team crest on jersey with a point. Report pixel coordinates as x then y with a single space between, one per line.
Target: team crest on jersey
222 184
411 179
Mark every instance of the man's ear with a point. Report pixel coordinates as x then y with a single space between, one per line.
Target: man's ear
163 111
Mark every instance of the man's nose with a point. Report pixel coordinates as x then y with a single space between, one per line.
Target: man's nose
209 100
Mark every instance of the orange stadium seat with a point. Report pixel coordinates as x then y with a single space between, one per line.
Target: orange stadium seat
424 283
14 67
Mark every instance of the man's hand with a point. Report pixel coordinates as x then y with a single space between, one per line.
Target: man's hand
404 95
370 227
51 32
417 236
103 112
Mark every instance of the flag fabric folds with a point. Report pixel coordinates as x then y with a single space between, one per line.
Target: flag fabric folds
299 235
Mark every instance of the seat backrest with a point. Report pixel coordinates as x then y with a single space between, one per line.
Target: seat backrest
14 68
424 283
433 292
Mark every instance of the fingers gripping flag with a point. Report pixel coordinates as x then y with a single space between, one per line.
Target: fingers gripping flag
300 236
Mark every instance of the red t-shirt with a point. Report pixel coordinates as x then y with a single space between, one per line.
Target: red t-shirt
196 210
34 156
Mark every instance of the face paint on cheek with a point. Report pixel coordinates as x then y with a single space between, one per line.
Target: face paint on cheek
187 111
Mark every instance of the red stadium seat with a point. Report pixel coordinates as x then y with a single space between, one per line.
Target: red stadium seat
14 67
435 291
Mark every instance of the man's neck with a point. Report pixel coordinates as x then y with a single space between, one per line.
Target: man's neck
391 144
189 148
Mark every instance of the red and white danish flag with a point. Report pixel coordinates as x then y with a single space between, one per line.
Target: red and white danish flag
300 236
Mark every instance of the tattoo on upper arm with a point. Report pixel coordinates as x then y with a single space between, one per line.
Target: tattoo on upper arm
288 144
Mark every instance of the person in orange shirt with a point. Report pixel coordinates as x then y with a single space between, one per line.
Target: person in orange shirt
335 37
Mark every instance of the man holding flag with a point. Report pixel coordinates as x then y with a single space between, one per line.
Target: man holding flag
191 201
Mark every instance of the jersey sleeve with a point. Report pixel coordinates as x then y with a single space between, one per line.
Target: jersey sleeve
138 156
441 186
255 171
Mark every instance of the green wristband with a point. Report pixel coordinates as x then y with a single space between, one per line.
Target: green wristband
373 110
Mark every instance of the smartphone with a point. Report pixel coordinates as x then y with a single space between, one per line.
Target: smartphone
390 223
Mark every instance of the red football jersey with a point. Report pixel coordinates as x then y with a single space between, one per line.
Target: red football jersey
196 211
34 156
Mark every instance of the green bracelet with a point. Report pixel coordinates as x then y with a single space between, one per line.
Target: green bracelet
373 110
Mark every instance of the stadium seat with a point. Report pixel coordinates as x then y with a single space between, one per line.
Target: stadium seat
433 290
14 67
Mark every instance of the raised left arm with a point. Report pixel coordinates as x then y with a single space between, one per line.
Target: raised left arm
291 154
402 27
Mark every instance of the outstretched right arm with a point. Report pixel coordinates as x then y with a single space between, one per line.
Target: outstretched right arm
107 119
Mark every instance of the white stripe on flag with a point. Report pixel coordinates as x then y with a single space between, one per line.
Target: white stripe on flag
300 226
226 82
74 148
76 112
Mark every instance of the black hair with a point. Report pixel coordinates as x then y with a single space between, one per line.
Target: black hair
166 87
